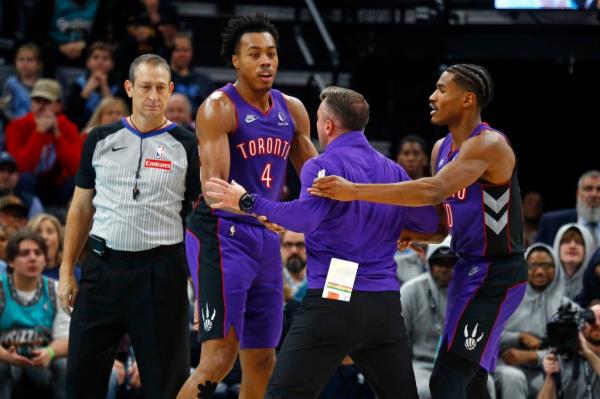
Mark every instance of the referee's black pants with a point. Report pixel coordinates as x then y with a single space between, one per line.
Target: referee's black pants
370 328
142 293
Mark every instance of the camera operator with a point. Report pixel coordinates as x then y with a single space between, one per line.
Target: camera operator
560 381
519 371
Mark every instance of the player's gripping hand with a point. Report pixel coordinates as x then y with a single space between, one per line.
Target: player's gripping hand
228 195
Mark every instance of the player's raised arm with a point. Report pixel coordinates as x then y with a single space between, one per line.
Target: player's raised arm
214 121
302 147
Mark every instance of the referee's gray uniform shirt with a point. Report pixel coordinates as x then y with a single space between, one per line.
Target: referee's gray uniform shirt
166 163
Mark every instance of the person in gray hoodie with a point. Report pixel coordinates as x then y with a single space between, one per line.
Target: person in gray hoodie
519 371
424 300
574 247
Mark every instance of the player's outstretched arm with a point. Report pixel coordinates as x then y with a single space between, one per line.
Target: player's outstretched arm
475 159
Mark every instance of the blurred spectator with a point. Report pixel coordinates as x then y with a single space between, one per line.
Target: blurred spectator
293 256
574 246
142 39
167 26
63 27
577 375
196 86
51 230
46 145
86 92
587 212
17 88
13 214
410 263
3 240
9 178
412 156
179 110
110 110
424 300
532 212
33 328
519 373
590 294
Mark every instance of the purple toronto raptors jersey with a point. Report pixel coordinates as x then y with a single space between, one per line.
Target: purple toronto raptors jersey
259 147
485 220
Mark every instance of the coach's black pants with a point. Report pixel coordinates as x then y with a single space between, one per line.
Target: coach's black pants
370 328
144 294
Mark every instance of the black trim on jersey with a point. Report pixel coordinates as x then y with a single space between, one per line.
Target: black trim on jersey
192 179
203 225
485 305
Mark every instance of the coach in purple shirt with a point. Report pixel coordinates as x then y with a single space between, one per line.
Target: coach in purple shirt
369 327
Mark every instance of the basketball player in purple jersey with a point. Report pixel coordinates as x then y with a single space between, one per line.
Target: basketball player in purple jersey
474 176
247 131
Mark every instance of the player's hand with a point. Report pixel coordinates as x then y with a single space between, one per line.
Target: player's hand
406 241
550 364
228 194
530 341
333 187
274 227
67 290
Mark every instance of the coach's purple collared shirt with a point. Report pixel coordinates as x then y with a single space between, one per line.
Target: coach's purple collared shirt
357 231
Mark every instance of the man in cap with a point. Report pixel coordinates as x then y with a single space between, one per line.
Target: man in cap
46 145
9 177
13 214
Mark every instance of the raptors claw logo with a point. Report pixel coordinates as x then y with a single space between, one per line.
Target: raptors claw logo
207 319
471 341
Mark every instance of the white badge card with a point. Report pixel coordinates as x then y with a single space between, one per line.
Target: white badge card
340 280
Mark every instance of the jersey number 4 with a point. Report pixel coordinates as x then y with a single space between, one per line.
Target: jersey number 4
266 176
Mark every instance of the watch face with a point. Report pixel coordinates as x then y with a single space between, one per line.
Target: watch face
246 203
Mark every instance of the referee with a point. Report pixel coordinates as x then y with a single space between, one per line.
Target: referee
137 180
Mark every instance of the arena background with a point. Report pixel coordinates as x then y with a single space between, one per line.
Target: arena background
545 65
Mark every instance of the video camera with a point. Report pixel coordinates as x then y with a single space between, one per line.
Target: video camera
562 332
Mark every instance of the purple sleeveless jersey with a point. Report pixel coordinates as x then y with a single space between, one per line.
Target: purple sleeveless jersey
259 147
485 220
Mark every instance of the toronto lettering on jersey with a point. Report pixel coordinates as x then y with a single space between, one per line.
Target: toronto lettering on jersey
264 146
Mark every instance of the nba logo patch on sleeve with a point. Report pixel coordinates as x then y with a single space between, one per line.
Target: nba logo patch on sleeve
321 173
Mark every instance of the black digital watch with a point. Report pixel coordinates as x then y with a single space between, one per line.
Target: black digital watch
246 202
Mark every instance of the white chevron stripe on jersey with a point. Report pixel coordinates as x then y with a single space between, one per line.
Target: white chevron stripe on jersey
496 205
496 225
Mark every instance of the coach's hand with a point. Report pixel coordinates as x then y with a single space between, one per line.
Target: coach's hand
228 194
333 187
67 289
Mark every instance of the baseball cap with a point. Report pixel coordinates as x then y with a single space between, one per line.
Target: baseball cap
46 88
7 159
13 202
443 253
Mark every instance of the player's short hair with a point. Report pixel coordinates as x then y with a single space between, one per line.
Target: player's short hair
152 59
476 79
237 26
349 106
